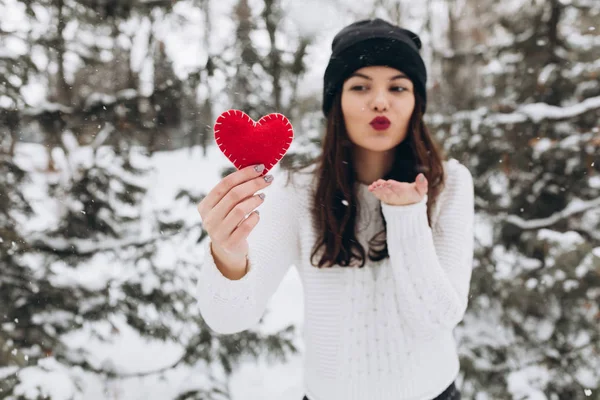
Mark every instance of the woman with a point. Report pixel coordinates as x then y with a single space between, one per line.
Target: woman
379 228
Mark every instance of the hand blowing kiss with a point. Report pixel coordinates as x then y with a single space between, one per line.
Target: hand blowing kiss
400 193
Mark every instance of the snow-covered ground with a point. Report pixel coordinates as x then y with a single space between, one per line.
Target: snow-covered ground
127 351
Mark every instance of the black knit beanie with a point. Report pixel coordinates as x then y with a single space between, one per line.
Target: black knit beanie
369 43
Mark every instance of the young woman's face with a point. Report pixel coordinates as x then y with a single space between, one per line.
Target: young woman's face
377 103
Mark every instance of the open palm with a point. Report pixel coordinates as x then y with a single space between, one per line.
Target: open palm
400 193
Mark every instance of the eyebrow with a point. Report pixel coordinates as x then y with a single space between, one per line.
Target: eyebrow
400 76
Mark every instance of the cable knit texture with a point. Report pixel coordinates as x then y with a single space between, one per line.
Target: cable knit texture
382 332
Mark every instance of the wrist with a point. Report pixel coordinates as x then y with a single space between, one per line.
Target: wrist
423 200
231 266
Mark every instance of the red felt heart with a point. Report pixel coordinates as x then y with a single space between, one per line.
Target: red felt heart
245 142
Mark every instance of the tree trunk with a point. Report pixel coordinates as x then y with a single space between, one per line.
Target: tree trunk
64 92
274 60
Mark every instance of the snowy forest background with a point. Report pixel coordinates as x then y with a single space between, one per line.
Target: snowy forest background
106 114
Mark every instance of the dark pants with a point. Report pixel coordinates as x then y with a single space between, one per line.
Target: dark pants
451 393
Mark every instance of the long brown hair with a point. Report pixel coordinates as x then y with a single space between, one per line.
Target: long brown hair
335 205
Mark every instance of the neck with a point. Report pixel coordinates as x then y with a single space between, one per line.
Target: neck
372 165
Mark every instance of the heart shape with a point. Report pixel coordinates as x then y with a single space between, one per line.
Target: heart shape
245 142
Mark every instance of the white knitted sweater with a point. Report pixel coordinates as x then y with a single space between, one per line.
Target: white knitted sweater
381 332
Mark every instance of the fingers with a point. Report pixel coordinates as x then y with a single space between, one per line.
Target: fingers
421 184
222 220
377 184
233 244
396 192
237 215
236 196
226 185
243 230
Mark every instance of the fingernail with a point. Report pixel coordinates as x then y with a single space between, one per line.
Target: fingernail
268 178
261 195
259 168
421 178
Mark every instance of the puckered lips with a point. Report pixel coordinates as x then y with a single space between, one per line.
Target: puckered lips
380 123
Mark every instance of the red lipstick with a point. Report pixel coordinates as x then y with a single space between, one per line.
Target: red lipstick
380 123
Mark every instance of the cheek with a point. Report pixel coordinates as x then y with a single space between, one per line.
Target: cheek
351 114
405 108
350 105
351 110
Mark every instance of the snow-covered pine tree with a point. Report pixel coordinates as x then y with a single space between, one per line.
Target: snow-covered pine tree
100 228
99 224
533 148
16 279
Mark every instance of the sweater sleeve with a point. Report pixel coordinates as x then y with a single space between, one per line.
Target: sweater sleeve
231 306
432 268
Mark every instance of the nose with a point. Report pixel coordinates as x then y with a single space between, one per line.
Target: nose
380 103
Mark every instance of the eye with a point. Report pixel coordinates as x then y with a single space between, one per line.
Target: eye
398 89
358 87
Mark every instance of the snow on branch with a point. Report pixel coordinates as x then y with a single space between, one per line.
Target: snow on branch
540 111
535 112
47 107
575 207
84 247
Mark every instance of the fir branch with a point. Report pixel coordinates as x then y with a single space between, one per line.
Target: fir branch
84 248
569 211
